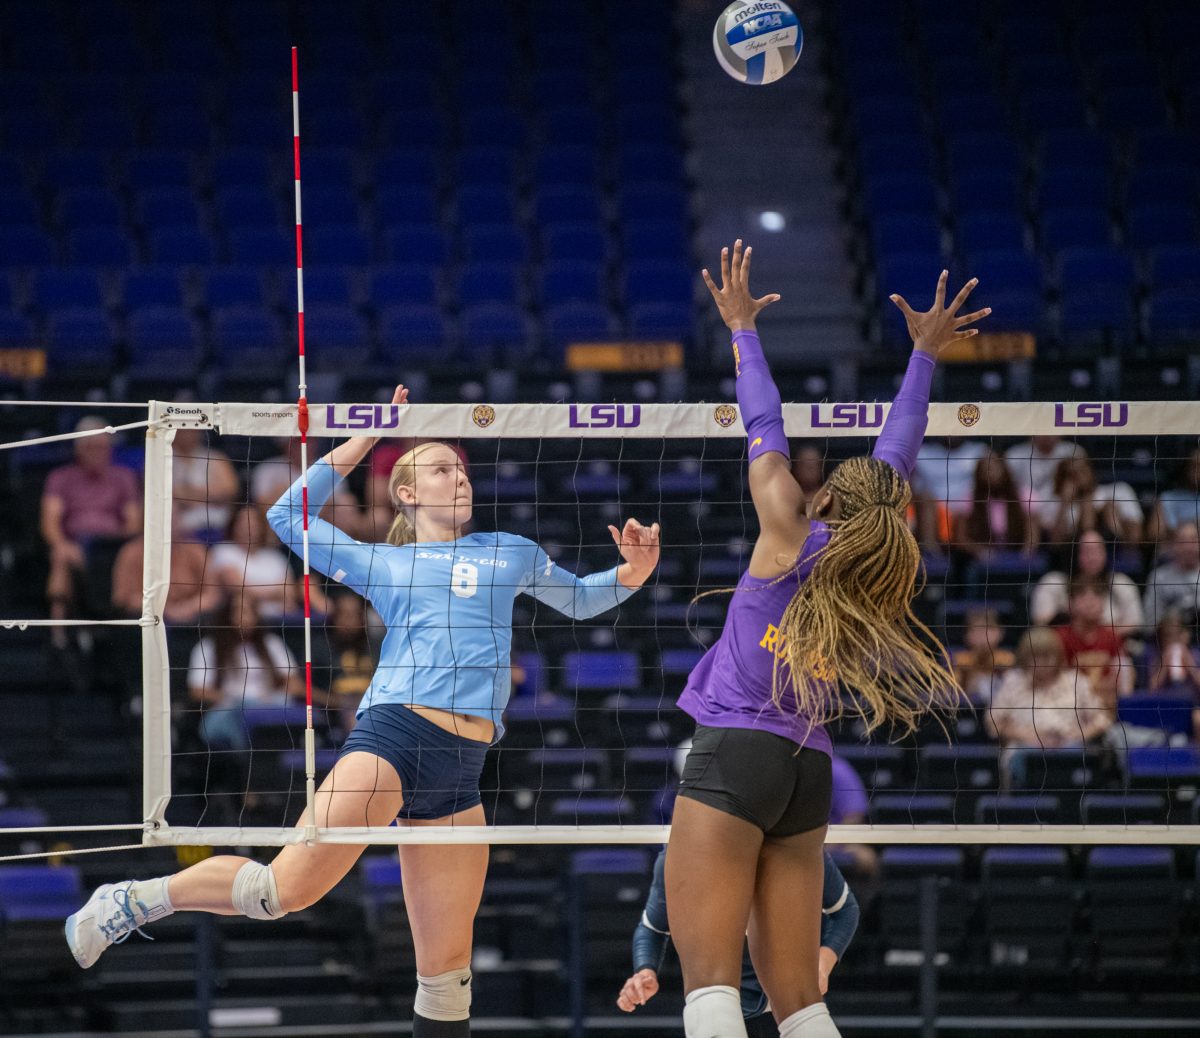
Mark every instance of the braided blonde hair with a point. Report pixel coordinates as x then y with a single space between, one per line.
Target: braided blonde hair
851 622
404 474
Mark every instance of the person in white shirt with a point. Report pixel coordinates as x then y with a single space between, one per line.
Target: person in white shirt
1175 585
1033 464
1078 503
204 486
943 485
1123 606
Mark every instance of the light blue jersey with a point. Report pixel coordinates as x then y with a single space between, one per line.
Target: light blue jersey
447 605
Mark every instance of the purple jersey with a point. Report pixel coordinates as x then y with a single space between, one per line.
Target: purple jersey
731 685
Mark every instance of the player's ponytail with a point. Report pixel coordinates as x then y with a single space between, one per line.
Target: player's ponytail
851 624
404 474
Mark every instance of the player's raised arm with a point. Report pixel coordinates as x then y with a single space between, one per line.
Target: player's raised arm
778 499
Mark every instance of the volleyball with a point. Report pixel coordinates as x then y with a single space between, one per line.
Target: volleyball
757 41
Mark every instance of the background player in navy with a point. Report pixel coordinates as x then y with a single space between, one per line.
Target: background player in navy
825 605
839 921
427 719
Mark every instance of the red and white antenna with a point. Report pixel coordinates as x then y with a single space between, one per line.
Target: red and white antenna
310 754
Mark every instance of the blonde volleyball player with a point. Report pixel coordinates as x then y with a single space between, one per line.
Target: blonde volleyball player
826 601
433 708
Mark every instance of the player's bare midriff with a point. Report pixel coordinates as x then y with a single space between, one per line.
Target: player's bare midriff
465 726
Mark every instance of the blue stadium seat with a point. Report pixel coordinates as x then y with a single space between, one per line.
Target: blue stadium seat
328 286
404 284
339 337
578 322
34 129
1134 902
661 321
1174 314
1156 226
902 193
647 123
566 86
424 242
496 126
1162 185
567 166
895 153
26 247
1096 310
659 162
910 809
1056 108
590 671
184 128
963 113
1013 809
407 167
575 241
1123 108
1108 267
1074 227
1075 149
326 206
242 207
654 281
487 205
651 201
148 287
1064 187
39 891
186 246
163 344
489 326
666 240
401 89
879 114
16 330
407 204
88 207
249 127
244 336
1123 809
488 283
100 247
583 810
241 167
18 208
346 244
985 152
337 127
576 125
1003 270
81 337
411 331
262 246
487 166
982 191
563 204
495 243
569 282
892 234
166 207
1175 266
225 287
990 231
64 287
1158 147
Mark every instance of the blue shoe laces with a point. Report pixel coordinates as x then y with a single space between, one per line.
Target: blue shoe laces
124 920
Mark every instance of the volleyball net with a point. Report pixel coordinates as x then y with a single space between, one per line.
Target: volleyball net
1102 750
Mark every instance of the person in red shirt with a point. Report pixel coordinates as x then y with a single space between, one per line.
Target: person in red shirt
85 504
1092 646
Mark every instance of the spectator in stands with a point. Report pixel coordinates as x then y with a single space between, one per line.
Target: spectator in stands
88 508
983 661
1033 464
250 558
942 485
1178 506
237 666
1175 584
808 466
270 479
204 486
1044 703
1174 662
1092 646
996 522
188 596
1079 504
354 655
848 806
1123 606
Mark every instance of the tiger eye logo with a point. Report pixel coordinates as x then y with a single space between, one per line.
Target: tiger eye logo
725 415
968 415
483 415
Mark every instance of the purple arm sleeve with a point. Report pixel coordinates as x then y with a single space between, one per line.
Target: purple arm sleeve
904 429
758 398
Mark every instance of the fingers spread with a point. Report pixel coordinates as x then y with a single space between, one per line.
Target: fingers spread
903 306
939 297
978 315
725 275
962 295
746 264
712 287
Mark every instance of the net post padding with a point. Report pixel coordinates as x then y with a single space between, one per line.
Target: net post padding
156 667
1078 835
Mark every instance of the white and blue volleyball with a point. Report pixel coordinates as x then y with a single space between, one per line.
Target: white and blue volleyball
757 41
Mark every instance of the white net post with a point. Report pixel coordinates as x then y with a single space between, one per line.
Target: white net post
156 667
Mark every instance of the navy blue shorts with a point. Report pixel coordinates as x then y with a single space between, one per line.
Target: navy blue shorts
439 771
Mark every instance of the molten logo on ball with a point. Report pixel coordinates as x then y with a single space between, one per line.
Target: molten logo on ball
757 41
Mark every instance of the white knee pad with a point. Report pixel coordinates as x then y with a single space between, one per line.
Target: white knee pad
444 997
810 1022
714 1012
255 894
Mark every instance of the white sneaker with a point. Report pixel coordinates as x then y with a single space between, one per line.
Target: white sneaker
109 917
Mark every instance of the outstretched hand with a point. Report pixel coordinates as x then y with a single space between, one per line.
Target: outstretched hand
400 396
739 309
639 547
940 325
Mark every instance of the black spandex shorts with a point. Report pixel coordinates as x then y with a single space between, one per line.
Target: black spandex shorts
765 779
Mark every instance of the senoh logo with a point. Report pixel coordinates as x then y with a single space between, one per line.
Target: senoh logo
605 416
1091 416
364 416
198 413
846 416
